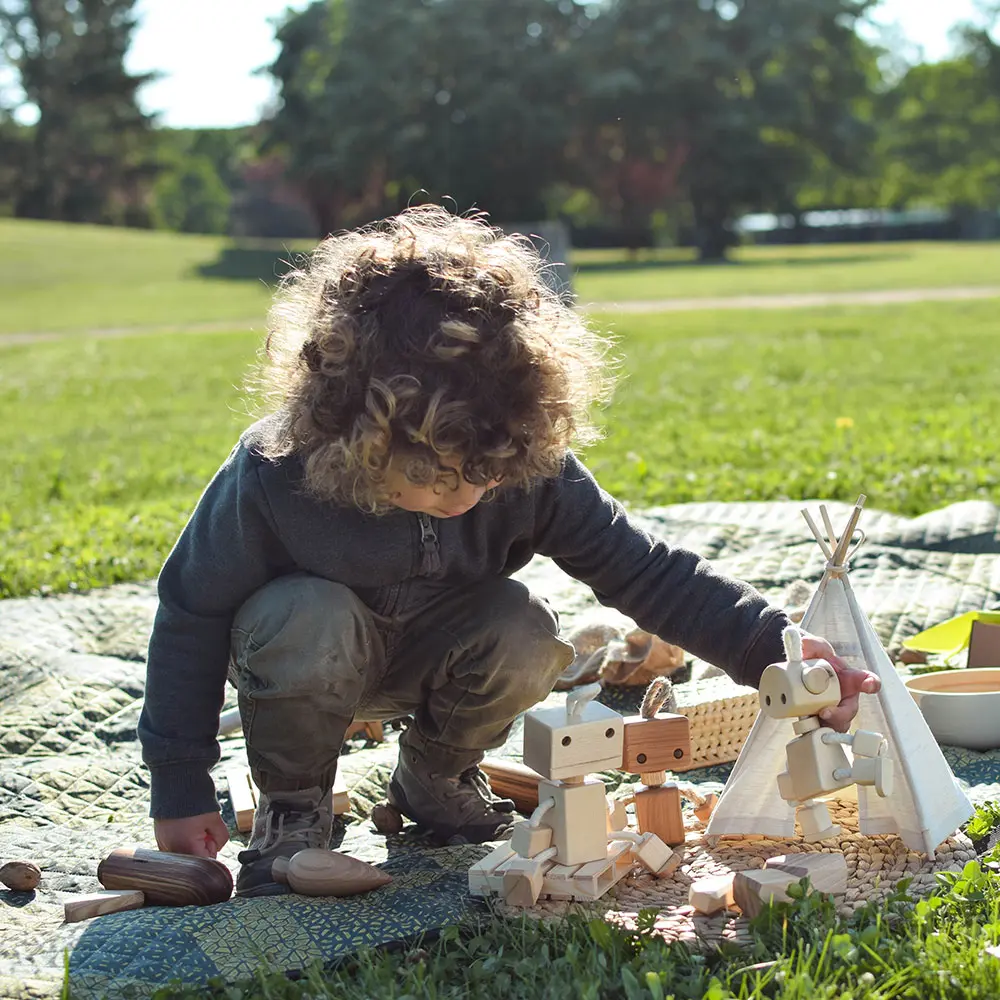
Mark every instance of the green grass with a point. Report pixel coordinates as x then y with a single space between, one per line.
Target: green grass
930 949
609 276
56 277
108 442
60 278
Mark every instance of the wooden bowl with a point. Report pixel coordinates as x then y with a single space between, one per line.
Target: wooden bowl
962 707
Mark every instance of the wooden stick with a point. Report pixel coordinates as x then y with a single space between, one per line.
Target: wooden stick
845 538
817 534
95 904
830 533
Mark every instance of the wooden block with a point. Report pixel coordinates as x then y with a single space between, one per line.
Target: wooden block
559 748
753 890
528 840
826 872
243 794
514 781
984 645
710 895
578 820
653 854
96 904
341 798
522 881
372 731
704 811
662 743
658 810
617 814
479 872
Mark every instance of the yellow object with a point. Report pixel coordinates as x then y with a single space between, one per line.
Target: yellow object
950 637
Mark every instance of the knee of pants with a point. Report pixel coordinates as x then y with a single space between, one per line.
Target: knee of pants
528 654
301 635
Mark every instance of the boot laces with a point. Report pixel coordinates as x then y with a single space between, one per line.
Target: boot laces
286 823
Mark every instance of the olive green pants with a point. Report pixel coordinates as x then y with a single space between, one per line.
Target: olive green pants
308 658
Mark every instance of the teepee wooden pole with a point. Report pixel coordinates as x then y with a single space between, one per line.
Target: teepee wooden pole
817 534
830 533
845 539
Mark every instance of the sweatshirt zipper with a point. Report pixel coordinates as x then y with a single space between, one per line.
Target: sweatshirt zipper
430 553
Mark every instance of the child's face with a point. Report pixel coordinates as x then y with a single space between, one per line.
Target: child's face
449 497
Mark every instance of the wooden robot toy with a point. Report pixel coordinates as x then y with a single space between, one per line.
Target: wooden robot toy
575 845
816 760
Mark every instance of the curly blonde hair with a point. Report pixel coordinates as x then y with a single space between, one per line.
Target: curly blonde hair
424 337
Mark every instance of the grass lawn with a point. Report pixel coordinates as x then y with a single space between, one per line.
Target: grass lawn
609 276
56 277
108 442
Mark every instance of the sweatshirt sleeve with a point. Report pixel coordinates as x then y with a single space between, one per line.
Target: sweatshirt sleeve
669 591
228 549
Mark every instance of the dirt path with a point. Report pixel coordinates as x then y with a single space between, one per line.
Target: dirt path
805 300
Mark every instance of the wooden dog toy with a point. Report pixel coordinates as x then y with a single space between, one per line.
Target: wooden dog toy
816 761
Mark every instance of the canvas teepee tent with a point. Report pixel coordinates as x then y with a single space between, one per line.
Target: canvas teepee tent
926 804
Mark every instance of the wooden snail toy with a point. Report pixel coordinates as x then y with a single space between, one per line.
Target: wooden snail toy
315 872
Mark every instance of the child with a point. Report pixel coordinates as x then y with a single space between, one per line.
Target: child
352 557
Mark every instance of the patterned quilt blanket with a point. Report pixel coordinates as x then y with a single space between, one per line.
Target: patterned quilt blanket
72 787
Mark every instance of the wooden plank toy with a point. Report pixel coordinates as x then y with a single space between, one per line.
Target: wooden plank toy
96 904
826 872
243 795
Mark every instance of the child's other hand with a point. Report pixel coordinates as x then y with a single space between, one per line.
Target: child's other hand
202 836
852 682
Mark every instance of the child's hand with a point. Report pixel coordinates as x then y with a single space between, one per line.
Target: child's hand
202 836
852 682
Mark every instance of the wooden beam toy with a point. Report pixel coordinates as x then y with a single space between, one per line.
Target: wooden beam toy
816 761
755 889
566 849
826 872
96 904
243 795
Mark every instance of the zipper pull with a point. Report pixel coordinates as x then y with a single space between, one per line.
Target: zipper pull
430 553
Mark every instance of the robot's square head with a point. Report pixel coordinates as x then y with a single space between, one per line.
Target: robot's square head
559 748
791 690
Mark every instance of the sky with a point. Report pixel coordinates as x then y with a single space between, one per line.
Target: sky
209 75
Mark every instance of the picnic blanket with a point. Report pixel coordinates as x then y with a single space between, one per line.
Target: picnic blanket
72 786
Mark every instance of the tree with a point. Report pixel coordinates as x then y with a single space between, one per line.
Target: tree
88 160
471 99
733 103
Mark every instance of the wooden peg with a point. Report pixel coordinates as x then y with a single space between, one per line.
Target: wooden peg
96 904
